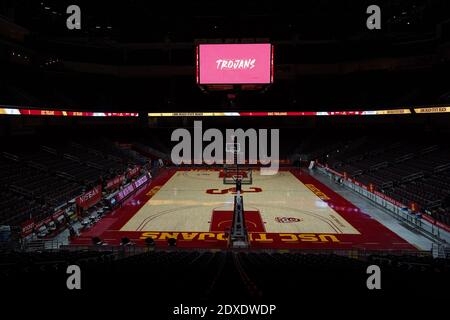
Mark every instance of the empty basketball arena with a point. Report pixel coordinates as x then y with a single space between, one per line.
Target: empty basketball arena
252 159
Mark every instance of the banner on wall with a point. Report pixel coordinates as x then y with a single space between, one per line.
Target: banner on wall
27 227
90 198
133 172
115 182
43 222
130 188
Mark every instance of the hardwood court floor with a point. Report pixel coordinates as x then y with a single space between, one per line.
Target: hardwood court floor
187 200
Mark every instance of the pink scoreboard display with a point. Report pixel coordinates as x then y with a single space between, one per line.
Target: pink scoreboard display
235 63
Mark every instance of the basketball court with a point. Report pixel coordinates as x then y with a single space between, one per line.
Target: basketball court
288 210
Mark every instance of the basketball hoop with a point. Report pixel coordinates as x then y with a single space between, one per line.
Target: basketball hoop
232 171
230 176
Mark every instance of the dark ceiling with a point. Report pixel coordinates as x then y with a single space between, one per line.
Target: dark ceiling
139 54
150 21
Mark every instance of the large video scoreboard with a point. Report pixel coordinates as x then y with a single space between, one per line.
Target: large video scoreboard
250 63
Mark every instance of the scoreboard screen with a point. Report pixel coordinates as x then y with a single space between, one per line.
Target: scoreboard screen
235 63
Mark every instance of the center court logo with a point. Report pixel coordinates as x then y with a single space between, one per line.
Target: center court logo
257 147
